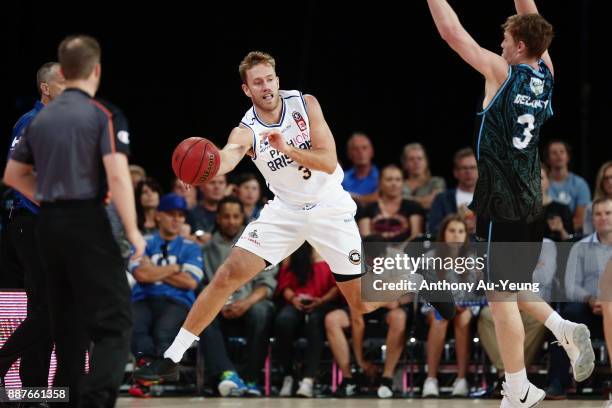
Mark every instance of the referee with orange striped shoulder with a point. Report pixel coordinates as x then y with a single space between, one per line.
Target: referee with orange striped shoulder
69 143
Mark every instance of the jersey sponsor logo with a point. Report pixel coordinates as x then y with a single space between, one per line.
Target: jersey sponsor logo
526 100
280 160
297 116
355 257
123 136
536 85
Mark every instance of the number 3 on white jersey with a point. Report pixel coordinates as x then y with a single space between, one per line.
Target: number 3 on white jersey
527 119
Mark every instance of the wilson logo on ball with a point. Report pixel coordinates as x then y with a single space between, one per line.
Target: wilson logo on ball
196 161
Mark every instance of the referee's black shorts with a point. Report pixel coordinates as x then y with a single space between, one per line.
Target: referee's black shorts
512 249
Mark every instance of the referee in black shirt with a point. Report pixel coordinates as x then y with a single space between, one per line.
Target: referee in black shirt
74 149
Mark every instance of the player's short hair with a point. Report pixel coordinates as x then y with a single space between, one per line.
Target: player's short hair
229 200
462 154
533 30
254 58
78 55
45 73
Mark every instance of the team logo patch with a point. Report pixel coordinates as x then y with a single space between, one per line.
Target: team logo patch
536 85
253 234
299 120
263 145
355 257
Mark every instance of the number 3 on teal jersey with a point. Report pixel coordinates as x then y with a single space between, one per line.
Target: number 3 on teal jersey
526 119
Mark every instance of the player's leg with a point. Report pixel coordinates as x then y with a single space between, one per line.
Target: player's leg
267 240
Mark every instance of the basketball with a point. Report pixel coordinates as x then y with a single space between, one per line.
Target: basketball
196 160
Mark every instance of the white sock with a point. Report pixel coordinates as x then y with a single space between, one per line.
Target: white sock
183 340
558 325
517 381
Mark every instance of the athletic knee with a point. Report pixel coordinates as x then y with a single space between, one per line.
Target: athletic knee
396 319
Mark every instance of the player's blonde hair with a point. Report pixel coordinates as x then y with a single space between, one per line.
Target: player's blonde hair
533 30
254 58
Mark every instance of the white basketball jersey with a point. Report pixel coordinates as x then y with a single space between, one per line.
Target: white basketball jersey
289 181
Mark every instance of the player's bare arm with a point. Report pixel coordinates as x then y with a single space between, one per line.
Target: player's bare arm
492 66
529 7
239 143
322 155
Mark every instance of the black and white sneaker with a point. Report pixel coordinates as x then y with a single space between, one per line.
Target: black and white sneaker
530 397
160 370
348 388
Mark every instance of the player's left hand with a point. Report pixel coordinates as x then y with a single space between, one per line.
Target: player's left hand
276 140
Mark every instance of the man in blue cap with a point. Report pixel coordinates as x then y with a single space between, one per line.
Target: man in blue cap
166 277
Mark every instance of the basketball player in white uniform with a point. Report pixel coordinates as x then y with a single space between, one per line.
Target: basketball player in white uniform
289 141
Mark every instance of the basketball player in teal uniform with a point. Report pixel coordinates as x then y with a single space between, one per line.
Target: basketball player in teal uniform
508 196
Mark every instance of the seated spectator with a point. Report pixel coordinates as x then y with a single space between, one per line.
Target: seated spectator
248 191
203 216
391 217
565 186
307 287
361 181
605 290
456 200
166 277
137 174
147 196
558 217
453 242
603 188
190 194
585 266
249 311
419 184
339 320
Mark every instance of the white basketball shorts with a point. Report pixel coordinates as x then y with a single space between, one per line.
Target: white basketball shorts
330 229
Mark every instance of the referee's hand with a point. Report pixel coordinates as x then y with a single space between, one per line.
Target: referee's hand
138 244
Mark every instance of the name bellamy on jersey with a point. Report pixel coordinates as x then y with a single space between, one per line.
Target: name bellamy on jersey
280 160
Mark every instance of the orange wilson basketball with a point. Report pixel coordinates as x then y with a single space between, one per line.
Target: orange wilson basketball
196 161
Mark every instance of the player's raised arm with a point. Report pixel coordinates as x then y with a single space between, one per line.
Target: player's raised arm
238 144
322 155
492 66
529 7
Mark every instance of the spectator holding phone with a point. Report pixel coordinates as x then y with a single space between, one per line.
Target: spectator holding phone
306 286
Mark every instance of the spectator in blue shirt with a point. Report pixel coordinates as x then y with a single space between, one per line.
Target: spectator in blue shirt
166 278
362 179
565 186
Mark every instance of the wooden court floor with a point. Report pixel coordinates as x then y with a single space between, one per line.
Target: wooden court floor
337 403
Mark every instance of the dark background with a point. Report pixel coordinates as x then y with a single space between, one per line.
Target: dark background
378 67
